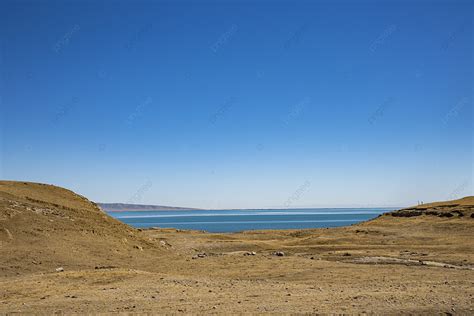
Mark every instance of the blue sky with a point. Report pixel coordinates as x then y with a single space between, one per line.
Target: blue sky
240 104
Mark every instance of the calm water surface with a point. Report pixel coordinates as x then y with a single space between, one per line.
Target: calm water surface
239 220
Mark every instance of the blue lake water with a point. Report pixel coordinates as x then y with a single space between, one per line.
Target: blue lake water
239 220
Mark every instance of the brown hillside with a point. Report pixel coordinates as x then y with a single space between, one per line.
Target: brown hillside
465 201
43 227
462 208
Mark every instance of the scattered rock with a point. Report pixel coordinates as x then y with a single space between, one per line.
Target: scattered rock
9 234
250 253
164 243
104 267
138 247
60 269
199 255
279 253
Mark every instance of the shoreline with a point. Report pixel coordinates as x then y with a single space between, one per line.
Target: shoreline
257 209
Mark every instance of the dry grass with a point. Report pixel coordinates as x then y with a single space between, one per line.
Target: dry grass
421 264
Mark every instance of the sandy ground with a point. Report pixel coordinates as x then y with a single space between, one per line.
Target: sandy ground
391 265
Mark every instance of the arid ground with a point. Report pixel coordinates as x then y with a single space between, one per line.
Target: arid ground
59 253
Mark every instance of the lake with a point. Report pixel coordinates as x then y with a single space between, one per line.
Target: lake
240 220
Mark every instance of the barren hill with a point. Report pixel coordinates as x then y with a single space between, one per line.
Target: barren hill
457 208
43 227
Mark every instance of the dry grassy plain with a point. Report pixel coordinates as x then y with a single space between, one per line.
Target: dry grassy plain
419 261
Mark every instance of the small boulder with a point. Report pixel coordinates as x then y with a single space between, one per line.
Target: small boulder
199 255
279 253
60 269
164 243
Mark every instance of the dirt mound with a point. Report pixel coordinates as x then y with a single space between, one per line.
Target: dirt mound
44 227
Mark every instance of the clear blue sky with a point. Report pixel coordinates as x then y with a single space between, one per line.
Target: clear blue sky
240 104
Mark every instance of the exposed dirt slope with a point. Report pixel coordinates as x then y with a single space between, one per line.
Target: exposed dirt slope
43 227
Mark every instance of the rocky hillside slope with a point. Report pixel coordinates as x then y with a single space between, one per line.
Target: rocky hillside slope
458 208
44 227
